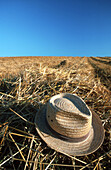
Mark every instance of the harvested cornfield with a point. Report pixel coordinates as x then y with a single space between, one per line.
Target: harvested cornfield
102 69
26 84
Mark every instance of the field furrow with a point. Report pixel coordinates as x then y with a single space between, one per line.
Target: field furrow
102 70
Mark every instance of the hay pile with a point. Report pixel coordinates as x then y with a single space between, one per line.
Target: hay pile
22 96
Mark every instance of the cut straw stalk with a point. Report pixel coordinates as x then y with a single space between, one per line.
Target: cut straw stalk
73 162
8 95
50 163
54 164
34 156
22 117
75 158
100 158
4 135
16 134
17 146
19 130
37 157
19 89
29 153
3 124
96 165
12 156
27 147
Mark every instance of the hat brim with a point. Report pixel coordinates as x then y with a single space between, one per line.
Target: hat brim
85 147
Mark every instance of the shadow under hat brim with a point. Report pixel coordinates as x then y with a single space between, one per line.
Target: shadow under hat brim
85 147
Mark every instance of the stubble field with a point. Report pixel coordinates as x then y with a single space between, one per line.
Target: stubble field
26 84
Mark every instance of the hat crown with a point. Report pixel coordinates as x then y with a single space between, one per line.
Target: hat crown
65 104
68 115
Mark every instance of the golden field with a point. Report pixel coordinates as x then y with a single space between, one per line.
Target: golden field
27 83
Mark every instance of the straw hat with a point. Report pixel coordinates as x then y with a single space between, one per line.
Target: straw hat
67 125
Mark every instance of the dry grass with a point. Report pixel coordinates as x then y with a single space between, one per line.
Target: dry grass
26 85
15 65
102 69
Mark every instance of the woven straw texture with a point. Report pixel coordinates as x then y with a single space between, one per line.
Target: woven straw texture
69 116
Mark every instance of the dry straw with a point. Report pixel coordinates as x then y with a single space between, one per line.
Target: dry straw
25 86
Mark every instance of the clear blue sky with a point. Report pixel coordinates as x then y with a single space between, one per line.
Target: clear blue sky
55 27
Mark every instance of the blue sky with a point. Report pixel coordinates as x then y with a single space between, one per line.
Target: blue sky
55 28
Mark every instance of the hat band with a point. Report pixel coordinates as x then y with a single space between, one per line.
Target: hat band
65 138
